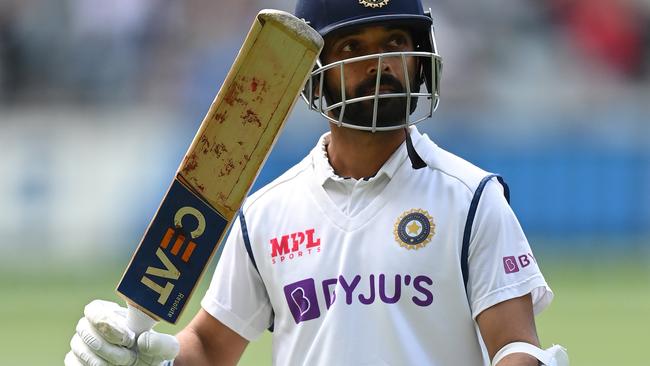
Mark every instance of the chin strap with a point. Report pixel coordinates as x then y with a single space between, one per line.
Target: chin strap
416 160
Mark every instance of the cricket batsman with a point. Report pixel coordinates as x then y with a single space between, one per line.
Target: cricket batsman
378 248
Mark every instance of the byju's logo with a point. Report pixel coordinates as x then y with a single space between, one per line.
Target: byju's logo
354 290
512 264
301 297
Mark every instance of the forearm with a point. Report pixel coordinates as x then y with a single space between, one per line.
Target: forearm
192 350
206 341
508 322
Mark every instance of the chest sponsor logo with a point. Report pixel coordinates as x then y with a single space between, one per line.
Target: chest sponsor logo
295 245
414 229
302 300
513 264
302 296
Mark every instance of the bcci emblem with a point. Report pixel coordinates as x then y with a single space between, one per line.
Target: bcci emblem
414 229
374 3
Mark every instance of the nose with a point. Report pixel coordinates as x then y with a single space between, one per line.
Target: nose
381 63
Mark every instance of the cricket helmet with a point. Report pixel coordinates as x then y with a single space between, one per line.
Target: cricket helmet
329 16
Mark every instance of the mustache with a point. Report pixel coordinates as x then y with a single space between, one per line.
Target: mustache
367 86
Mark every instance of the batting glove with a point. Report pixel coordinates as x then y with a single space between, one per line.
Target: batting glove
103 339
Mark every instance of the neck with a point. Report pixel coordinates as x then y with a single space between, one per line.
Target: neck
359 154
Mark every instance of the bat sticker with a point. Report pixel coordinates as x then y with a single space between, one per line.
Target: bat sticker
173 253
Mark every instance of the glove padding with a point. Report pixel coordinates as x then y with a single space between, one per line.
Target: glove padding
103 339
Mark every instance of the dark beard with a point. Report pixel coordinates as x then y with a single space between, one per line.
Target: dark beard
390 111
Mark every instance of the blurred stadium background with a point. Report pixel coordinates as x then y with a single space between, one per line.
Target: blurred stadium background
100 99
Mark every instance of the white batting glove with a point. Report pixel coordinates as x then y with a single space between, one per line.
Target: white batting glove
103 339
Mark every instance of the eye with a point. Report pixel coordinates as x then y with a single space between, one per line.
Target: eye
349 46
397 41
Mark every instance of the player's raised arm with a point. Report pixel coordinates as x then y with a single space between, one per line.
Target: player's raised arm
103 338
207 341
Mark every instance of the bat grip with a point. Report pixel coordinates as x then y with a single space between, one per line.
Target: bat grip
138 321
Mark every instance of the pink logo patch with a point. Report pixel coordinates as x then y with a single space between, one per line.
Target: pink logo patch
510 264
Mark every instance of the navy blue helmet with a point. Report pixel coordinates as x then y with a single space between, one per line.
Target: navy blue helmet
329 16
326 16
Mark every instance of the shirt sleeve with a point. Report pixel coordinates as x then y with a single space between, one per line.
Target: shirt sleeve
237 296
501 264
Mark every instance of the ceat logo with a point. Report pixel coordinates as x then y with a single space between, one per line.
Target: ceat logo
294 245
169 271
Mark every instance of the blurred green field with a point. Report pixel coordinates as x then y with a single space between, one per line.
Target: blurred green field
601 311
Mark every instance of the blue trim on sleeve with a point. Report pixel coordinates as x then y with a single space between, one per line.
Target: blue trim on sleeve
247 241
249 249
467 234
506 189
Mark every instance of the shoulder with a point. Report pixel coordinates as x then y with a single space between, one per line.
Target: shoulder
280 187
457 170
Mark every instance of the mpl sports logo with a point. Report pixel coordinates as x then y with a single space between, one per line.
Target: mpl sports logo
295 245
302 296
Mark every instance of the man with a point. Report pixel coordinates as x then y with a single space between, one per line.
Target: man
379 248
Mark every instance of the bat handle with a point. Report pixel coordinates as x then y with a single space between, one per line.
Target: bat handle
138 321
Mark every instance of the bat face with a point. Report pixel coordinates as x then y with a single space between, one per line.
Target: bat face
176 248
221 164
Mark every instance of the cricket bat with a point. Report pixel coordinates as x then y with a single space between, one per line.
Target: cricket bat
219 168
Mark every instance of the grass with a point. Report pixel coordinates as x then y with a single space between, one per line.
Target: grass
600 313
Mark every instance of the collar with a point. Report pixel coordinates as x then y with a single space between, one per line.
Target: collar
323 171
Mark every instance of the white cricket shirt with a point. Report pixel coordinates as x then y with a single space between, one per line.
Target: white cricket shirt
378 283
351 195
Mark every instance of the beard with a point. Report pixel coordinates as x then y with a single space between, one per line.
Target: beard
390 111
